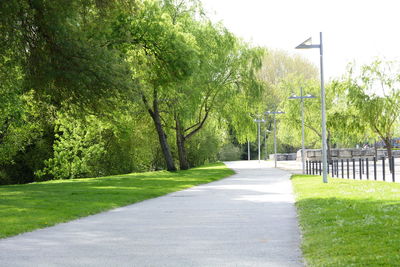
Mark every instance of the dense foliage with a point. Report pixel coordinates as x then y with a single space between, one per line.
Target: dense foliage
92 88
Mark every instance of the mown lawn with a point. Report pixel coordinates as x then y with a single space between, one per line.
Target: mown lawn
347 222
27 207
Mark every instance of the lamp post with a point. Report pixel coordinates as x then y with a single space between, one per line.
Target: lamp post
301 97
307 45
259 121
274 112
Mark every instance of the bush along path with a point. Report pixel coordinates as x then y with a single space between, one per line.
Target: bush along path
32 206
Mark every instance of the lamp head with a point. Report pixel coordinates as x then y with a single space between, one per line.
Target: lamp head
304 44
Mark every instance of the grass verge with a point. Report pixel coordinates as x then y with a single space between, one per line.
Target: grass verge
348 223
31 206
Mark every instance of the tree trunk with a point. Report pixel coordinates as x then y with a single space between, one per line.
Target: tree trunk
169 160
180 143
155 115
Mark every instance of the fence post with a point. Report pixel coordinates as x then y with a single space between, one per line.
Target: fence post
328 166
334 168
348 169
337 168
393 175
354 168
320 167
316 167
375 168
306 166
367 166
342 169
383 168
360 167
312 167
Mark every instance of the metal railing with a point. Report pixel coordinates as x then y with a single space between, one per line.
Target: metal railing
382 169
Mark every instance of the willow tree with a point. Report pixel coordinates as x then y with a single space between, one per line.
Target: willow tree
375 96
161 53
226 73
64 52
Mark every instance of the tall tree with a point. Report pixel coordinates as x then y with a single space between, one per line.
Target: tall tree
227 71
375 95
161 53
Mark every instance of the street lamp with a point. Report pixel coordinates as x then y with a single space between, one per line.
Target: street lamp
274 112
301 97
307 45
259 121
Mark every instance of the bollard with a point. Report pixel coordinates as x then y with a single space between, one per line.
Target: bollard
337 168
342 169
306 166
393 178
320 167
328 167
362 166
313 167
383 168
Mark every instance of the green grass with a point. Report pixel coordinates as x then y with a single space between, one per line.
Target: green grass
348 223
31 206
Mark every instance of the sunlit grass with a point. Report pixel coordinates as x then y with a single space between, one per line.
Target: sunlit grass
347 222
27 207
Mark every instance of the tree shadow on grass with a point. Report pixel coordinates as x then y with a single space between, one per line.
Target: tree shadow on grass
31 206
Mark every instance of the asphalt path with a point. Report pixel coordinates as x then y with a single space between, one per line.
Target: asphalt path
248 219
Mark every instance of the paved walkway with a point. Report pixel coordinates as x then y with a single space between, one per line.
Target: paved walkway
246 220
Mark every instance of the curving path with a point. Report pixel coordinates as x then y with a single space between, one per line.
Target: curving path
247 219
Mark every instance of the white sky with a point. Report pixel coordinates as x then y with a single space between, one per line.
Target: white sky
353 30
